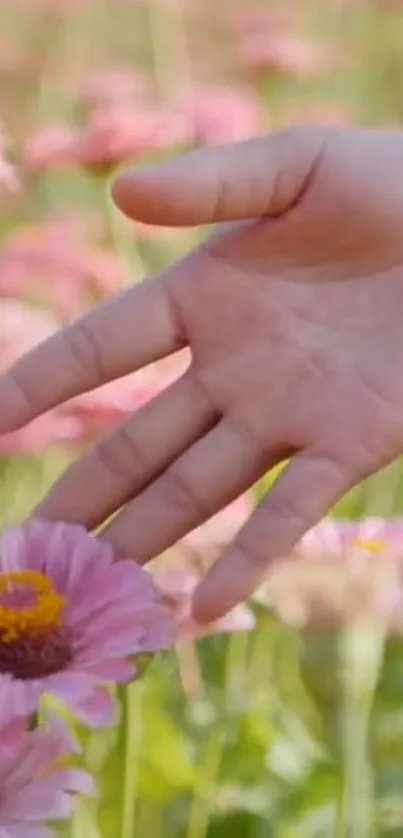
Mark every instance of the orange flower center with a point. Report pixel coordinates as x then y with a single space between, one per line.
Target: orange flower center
30 607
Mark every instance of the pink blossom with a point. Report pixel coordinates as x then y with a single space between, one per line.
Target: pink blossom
49 148
117 130
55 262
283 53
223 114
253 18
54 429
21 328
339 537
341 572
35 785
177 586
117 133
114 85
9 180
72 621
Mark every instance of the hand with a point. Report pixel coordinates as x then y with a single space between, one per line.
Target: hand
293 314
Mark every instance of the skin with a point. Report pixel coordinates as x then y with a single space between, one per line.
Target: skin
292 309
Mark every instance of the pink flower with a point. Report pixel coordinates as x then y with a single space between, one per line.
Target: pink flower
8 176
52 429
283 53
114 84
21 328
55 262
341 537
118 133
223 115
49 148
177 587
35 785
341 572
71 621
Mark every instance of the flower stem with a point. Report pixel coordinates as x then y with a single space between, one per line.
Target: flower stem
361 653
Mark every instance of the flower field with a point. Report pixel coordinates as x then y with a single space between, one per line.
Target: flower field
119 716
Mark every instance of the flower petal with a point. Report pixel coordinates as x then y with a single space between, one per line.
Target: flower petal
17 698
98 710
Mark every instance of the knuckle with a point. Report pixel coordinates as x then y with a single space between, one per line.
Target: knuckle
85 350
24 388
182 498
121 456
222 197
254 550
287 507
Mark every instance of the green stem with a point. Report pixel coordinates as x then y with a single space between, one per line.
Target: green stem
133 699
361 653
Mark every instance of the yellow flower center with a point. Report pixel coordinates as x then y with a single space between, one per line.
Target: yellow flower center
371 545
29 606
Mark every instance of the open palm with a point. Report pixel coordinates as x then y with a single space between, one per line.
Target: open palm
292 311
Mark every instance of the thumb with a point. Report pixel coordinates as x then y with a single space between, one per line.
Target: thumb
264 176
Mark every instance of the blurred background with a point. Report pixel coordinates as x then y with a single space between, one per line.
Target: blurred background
287 721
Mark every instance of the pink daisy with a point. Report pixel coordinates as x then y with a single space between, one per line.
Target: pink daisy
342 537
177 585
72 621
35 784
341 571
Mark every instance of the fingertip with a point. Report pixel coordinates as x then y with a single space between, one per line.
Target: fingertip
127 192
228 583
148 195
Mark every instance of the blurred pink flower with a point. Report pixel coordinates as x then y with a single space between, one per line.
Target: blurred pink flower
86 417
342 572
55 262
223 114
50 147
283 53
252 18
8 175
177 587
114 85
341 537
35 784
118 133
9 179
117 130
72 620
21 328
52 429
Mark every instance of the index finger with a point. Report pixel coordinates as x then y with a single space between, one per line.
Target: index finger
118 337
